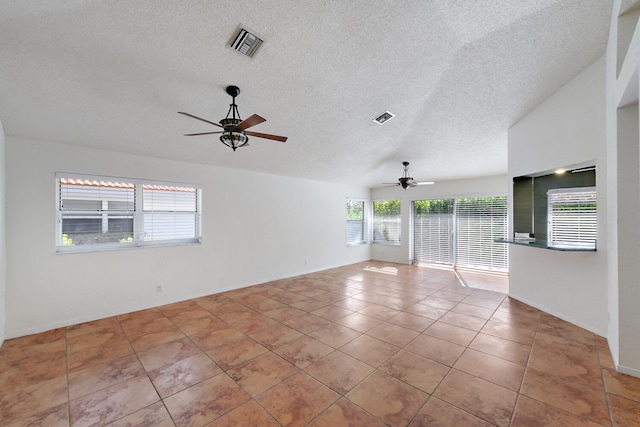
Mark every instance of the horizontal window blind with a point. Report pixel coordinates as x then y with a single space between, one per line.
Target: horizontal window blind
109 213
433 231
572 216
479 221
355 222
386 221
95 212
170 213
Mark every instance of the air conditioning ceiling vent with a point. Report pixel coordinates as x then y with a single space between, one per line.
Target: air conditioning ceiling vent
384 117
245 42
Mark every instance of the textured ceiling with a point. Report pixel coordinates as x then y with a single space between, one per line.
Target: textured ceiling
457 74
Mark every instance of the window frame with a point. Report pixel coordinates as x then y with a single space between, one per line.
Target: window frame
138 214
567 244
374 223
364 233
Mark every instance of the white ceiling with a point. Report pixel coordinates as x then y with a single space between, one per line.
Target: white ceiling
457 74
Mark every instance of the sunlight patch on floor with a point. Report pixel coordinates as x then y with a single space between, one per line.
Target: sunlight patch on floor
384 270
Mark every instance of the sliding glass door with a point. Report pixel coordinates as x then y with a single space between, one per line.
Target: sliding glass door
479 221
433 231
461 232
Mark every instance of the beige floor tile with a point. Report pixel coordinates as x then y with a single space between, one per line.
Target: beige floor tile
393 334
113 402
453 333
411 321
367 344
438 413
339 371
247 414
578 399
182 374
262 373
97 377
155 415
388 398
491 368
57 416
625 412
370 350
303 351
275 336
502 348
359 322
297 400
622 385
33 399
419 371
334 335
481 398
345 413
436 349
205 401
530 412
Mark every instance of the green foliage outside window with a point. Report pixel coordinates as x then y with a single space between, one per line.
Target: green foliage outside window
386 208
355 210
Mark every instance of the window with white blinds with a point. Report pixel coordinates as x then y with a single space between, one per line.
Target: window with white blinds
461 232
433 231
355 222
98 213
479 221
170 213
386 221
573 217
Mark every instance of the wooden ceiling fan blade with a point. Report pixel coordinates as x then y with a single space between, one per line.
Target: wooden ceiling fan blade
250 121
200 118
201 133
391 183
267 136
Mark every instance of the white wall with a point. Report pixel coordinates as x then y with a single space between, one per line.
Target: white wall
612 189
485 186
255 229
3 258
623 141
566 129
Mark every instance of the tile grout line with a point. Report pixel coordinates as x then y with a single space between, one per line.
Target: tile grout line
524 374
66 356
604 384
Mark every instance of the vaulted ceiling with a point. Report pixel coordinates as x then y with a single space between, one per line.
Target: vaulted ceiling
457 74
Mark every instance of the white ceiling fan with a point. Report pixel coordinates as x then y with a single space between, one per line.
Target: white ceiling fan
406 181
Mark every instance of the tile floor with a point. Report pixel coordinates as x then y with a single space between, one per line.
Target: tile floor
368 344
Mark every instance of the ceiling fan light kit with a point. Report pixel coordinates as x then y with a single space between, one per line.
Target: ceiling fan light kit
234 133
230 137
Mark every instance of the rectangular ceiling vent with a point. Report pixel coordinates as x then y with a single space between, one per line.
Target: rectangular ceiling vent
245 42
384 117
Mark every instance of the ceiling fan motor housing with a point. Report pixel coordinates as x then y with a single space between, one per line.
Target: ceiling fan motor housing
233 91
230 124
405 181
